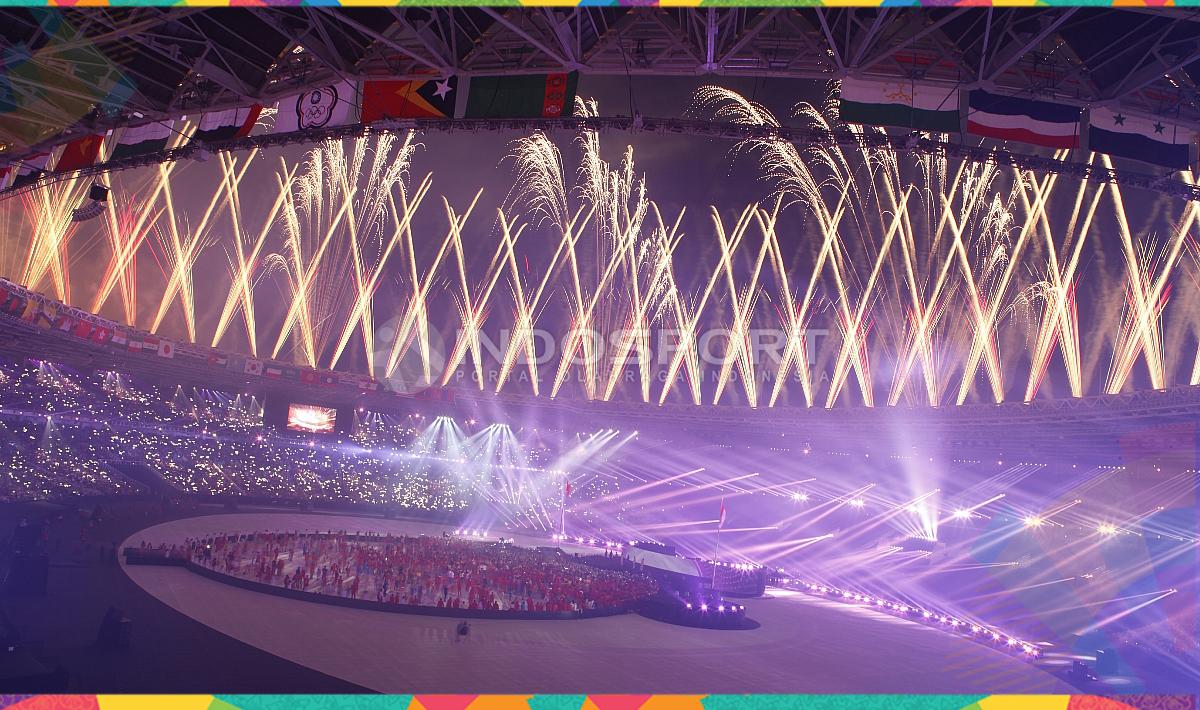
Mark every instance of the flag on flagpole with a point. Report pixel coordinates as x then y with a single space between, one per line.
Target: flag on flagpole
721 519
567 489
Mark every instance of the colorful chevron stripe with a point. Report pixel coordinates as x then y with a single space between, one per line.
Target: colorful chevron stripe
595 702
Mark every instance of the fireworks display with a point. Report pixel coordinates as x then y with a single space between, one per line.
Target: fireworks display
861 276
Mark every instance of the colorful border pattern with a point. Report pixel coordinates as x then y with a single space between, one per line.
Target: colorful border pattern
604 3
595 702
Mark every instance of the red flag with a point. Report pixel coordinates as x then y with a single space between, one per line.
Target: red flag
79 153
721 522
567 489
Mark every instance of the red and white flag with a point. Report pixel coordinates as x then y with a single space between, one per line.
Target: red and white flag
254 367
166 348
567 489
721 519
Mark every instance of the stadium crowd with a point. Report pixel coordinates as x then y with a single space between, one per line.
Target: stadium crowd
68 434
437 572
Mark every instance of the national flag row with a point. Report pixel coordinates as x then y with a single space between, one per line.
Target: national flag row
339 104
36 309
941 109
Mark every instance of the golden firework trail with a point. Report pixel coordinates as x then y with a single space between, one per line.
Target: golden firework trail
182 246
247 261
50 210
126 227
1147 290
973 278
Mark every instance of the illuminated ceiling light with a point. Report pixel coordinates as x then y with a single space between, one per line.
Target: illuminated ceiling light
1032 521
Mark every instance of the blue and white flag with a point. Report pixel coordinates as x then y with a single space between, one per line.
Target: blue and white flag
1146 139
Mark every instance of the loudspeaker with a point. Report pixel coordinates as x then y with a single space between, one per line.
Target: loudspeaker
98 192
1106 661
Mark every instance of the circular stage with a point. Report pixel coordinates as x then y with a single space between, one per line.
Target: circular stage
804 645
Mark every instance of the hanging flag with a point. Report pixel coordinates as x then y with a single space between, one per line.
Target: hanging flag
1145 139
64 323
46 316
140 140
721 519
417 98
308 377
79 153
328 380
226 125
135 345
1023 120
322 107
253 367
82 329
101 334
218 360
166 349
902 104
150 343
273 372
367 383
30 169
120 338
528 96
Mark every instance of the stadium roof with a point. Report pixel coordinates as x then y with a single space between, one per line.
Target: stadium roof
69 70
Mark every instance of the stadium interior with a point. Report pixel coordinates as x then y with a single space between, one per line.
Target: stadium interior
627 350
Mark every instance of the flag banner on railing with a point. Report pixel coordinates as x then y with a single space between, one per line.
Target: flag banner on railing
79 153
226 125
900 104
1146 139
527 96
321 107
139 140
1010 118
417 98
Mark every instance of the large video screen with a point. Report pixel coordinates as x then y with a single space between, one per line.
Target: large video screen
311 419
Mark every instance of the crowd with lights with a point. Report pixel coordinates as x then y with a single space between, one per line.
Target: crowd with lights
442 572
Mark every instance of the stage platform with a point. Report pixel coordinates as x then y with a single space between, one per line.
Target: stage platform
804 645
